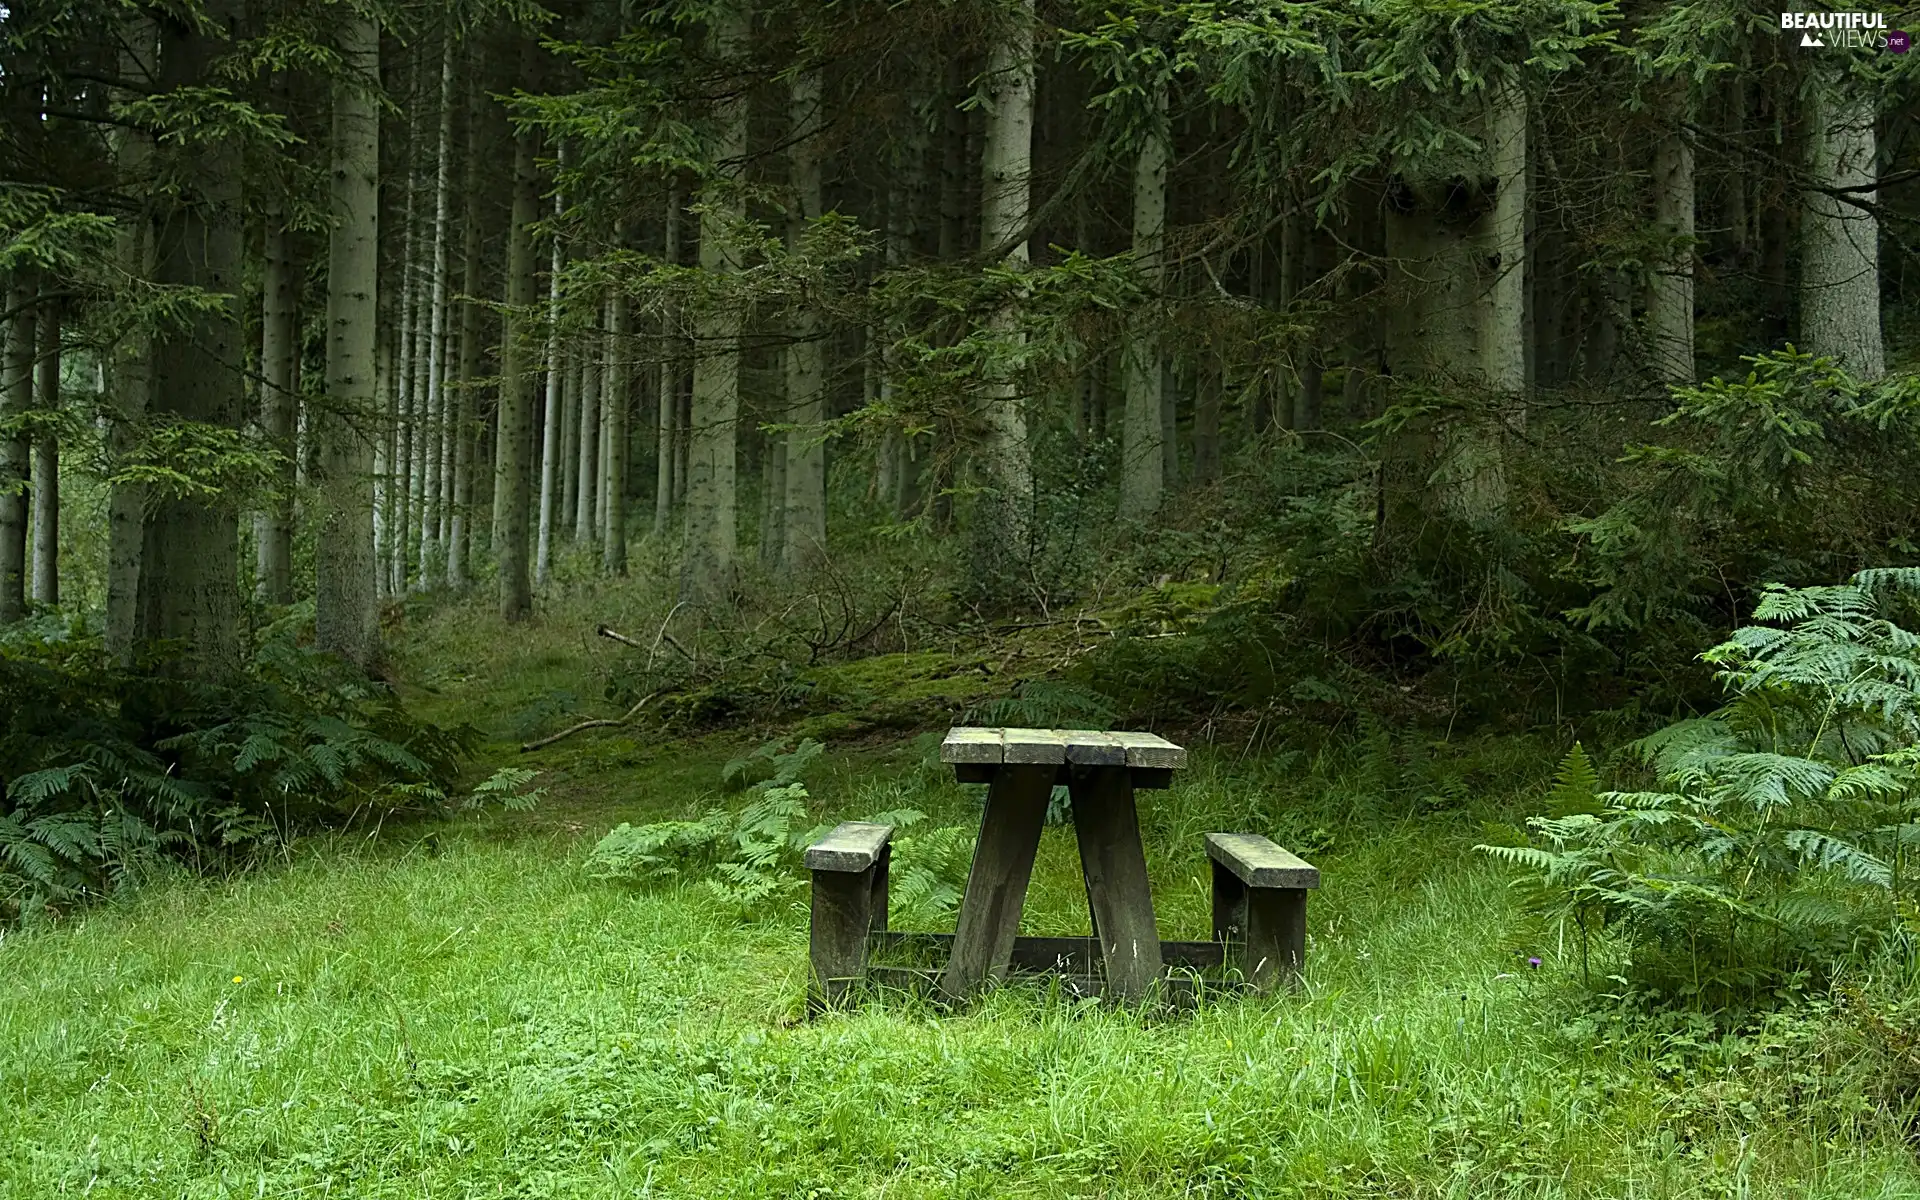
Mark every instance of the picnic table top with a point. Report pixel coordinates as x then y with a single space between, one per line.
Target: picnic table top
1089 747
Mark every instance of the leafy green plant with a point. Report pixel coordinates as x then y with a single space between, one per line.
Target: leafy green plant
752 857
1786 818
104 770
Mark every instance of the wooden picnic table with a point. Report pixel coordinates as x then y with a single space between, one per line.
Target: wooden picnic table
1101 771
1259 888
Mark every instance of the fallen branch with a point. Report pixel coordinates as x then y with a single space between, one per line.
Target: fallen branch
601 723
668 638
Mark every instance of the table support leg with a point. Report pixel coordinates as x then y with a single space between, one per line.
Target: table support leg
842 918
997 881
1116 868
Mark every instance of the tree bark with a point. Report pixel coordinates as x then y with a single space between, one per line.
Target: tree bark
1670 291
129 363
553 436
1005 203
514 440
613 530
707 573
16 451
668 410
46 463
432 552
804 529
345 617
273 524
189 582
1142 473
587 439
1839 243
464 434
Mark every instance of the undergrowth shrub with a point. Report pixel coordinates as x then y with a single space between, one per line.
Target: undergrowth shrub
1779 841
750 858
105 770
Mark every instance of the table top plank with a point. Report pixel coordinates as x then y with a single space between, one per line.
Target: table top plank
1151 750
972 744
1042 746
1091 748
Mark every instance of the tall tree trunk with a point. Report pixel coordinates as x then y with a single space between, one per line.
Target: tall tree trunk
587 438
345 615
1142 473
464 406
712 502
273 524
804 529
666 413
421 427
16 451
553 436
1839 242
1006 166
129 362
1670 291
46 464
613 539
514 441
434 434
189 581
399 486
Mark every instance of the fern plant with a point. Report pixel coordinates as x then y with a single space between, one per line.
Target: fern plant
752 857
1782 826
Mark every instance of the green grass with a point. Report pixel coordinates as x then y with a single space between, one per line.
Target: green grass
456 1010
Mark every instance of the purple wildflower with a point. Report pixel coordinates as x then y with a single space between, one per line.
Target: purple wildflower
1533 963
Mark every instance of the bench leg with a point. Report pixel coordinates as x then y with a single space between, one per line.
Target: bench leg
1276 936
1229 905
837 937
1108 828
877 922
997 881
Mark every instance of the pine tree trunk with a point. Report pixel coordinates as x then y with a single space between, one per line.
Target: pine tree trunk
1840 243
345 615
1142 472
399 492
553 435
189 582
432 560
513 451
16 451
279 402
587 439
613 540
422 428
707 573
668 410
129 365
46 464
464 434
1670 293
804 526
1006 159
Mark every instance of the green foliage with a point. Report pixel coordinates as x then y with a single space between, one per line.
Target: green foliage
1783 832
507 787
751 858
106 771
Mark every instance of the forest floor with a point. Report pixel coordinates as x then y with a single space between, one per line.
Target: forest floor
454 1009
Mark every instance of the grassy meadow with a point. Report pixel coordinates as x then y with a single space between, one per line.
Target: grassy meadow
455 1009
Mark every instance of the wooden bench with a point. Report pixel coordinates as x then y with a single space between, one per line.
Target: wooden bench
1260 905
849 867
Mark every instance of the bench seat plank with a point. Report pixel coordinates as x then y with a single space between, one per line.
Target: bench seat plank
1257 862
850 846
1040 746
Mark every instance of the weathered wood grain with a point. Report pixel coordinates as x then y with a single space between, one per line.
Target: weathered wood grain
1151 750
997 882
1259 863
837 932
1047 746
971 744
1276 947
1089 748
1115 865
849 846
